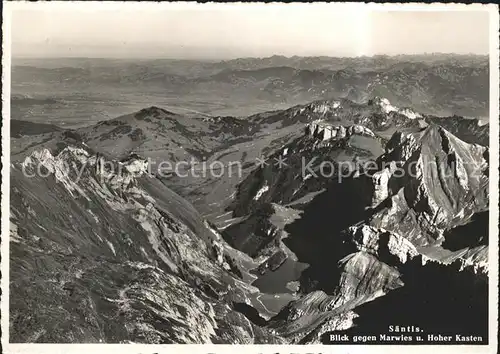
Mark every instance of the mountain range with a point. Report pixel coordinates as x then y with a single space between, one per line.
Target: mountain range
50 90
279 253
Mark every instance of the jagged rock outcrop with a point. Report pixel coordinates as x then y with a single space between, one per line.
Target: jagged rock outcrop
308 165
381 243
363 274
19 128
429 179
368 287
102 251
470 130
420 199
371 266
434 296
380 183
326 131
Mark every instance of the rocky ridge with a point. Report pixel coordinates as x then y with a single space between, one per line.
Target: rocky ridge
325 131
428 180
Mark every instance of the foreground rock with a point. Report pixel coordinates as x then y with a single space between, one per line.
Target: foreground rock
101 256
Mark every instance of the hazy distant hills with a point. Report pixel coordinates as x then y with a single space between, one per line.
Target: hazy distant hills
431 88
358 63
434 84
191 67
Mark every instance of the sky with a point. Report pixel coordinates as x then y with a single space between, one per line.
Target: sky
231 31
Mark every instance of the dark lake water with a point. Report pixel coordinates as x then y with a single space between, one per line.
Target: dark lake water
275 282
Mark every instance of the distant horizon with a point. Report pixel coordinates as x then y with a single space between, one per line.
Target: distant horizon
255 58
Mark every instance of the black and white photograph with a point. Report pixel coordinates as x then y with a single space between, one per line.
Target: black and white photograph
314 177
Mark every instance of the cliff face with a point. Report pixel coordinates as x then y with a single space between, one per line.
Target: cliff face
102 256
381 243
427 182
472 131
411 212
377 115
310 164
326 131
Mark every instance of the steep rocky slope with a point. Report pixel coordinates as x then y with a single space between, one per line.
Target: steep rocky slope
376 114
102 256
443 180
308 164
472 131
435 298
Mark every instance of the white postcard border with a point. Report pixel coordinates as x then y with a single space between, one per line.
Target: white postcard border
243 349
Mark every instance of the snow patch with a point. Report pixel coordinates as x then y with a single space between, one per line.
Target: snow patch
58 166
325 107
387 108
261 191
111 247
482 121
93 215
410 113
